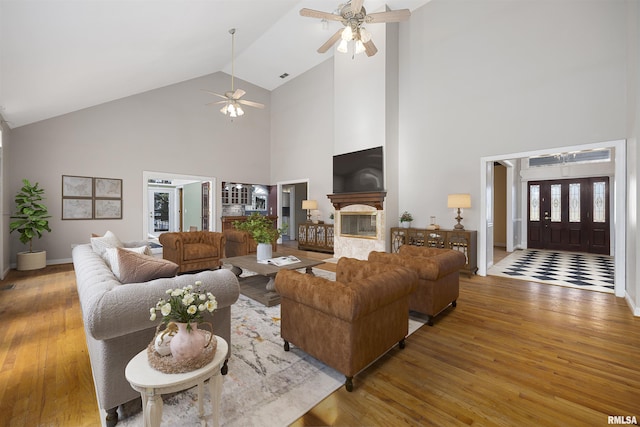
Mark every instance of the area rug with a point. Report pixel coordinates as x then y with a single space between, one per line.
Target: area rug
571 269
265 386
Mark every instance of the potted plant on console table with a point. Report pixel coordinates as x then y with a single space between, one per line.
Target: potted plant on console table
31 220
263 232
405 219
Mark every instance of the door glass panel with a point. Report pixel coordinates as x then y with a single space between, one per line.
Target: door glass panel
160 212
574 202
599 211
534 203
556 203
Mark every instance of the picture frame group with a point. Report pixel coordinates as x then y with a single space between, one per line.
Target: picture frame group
85 197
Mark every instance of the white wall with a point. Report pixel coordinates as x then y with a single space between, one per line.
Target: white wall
493 77
633 154
302 133
165 130
5 201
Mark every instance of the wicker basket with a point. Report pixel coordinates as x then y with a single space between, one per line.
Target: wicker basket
168 365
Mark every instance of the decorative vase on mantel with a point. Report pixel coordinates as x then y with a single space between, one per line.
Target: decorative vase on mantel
405 224
264 251
188 344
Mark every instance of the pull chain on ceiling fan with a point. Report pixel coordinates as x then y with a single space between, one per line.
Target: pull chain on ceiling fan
232 102
353 16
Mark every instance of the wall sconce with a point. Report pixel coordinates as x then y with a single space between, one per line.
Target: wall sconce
459 201
309 205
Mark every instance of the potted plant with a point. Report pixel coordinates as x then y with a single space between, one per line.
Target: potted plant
31 220
405 219
263 232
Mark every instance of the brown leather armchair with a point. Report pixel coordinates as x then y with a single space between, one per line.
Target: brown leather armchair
239 243
349 323
438 272
193 250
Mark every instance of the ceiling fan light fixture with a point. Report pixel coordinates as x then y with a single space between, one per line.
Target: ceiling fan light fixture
359 47
231 98
343 46
347 33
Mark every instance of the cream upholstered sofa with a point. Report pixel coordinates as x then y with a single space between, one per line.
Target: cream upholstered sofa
350 322
116 315
438 272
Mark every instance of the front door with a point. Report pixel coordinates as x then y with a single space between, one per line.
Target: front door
161 217
569 214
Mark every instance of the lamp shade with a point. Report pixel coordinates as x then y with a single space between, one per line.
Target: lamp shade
309 204
461 201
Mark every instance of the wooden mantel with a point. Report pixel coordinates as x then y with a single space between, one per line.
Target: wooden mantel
372 198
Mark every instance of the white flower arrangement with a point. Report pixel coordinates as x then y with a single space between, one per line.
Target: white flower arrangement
184 305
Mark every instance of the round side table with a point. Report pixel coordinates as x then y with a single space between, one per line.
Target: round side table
152 384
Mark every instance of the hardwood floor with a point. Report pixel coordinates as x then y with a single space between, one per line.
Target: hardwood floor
511 353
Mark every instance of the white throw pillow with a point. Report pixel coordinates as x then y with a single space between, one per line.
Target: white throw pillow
100 244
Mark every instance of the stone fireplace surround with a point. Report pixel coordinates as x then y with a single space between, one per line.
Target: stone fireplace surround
365 203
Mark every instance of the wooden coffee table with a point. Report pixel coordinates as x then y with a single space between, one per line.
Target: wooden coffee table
261 286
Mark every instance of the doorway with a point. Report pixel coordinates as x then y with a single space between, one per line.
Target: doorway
569 215
515 221
291 194
176 202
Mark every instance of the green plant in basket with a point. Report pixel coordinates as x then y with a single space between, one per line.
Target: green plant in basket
184 305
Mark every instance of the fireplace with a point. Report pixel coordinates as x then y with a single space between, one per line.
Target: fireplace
360 224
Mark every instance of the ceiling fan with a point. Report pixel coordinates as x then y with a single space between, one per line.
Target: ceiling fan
232 98
353 16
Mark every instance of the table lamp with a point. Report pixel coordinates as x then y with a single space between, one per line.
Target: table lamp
459 201
309 205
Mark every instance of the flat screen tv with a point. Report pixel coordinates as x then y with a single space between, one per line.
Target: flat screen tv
359 171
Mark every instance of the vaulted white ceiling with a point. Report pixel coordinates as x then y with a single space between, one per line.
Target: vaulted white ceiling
59 56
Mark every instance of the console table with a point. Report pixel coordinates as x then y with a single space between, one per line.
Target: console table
315 237
464 241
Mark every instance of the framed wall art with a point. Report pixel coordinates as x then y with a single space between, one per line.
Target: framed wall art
77 186
85 197
108 188
77 208
108 209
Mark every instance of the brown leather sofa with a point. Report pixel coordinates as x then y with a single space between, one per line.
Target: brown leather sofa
239 243
193 250
438 272
349 323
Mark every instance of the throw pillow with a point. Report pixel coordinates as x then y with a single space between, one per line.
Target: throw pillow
111 256
136 268
100 244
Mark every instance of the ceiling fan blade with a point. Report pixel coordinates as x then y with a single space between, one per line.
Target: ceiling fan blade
356 6
370 48
332 40
311 13
250 103
216 103
391 16
213 93
238 94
